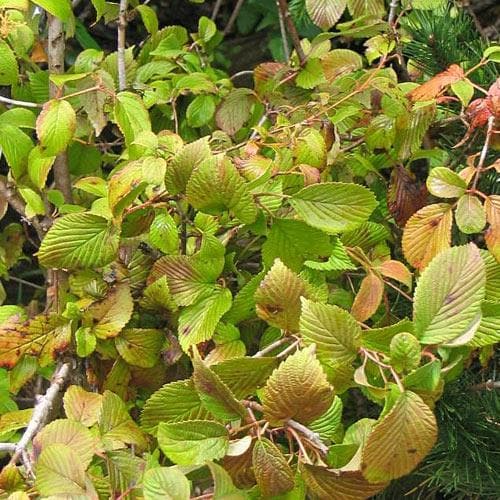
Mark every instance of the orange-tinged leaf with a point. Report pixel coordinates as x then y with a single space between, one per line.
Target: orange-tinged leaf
38 54
44 336
278 297
427 233
82 406
397 271
368 298
335 484
73 434
492 235
298 389
432 88
274 475
399 442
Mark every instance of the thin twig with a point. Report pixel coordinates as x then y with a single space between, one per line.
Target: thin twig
393 9
42 410
292 30
489 385
122 32
24 282
284 36
216 9
246 72
271 347
14 102
309 434
289 349
394 287
233 17
302 448
7 447
484 151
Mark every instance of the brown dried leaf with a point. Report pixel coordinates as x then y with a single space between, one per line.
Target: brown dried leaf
405 195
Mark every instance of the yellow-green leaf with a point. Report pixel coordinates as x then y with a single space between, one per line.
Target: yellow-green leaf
55 126
445 183
427 233
448 296
193 442
470 214
400 441
140 346
80 240
333 330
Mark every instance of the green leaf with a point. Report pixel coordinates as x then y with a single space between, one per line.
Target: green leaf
174 402
399 442
470 214
244 376
149 18
34 203
215 186
163 233
293 241
333 330
337 484
70 433
223 484
337 261
234 111
166 483
329 425
272 472
15 145
488 332
184 162
310 76
131 116
86 342
80 240
55 126
197 322
59 471
187 280
116 427
448 297
325 13
379 339
39 166
112 313
200 111
59 8
334 207
140 347
214 394
207 29
277 298
492 53
193 442
445 183
339 62
9 70
464 90
358 8
297 389
244 304
310 148
405 352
